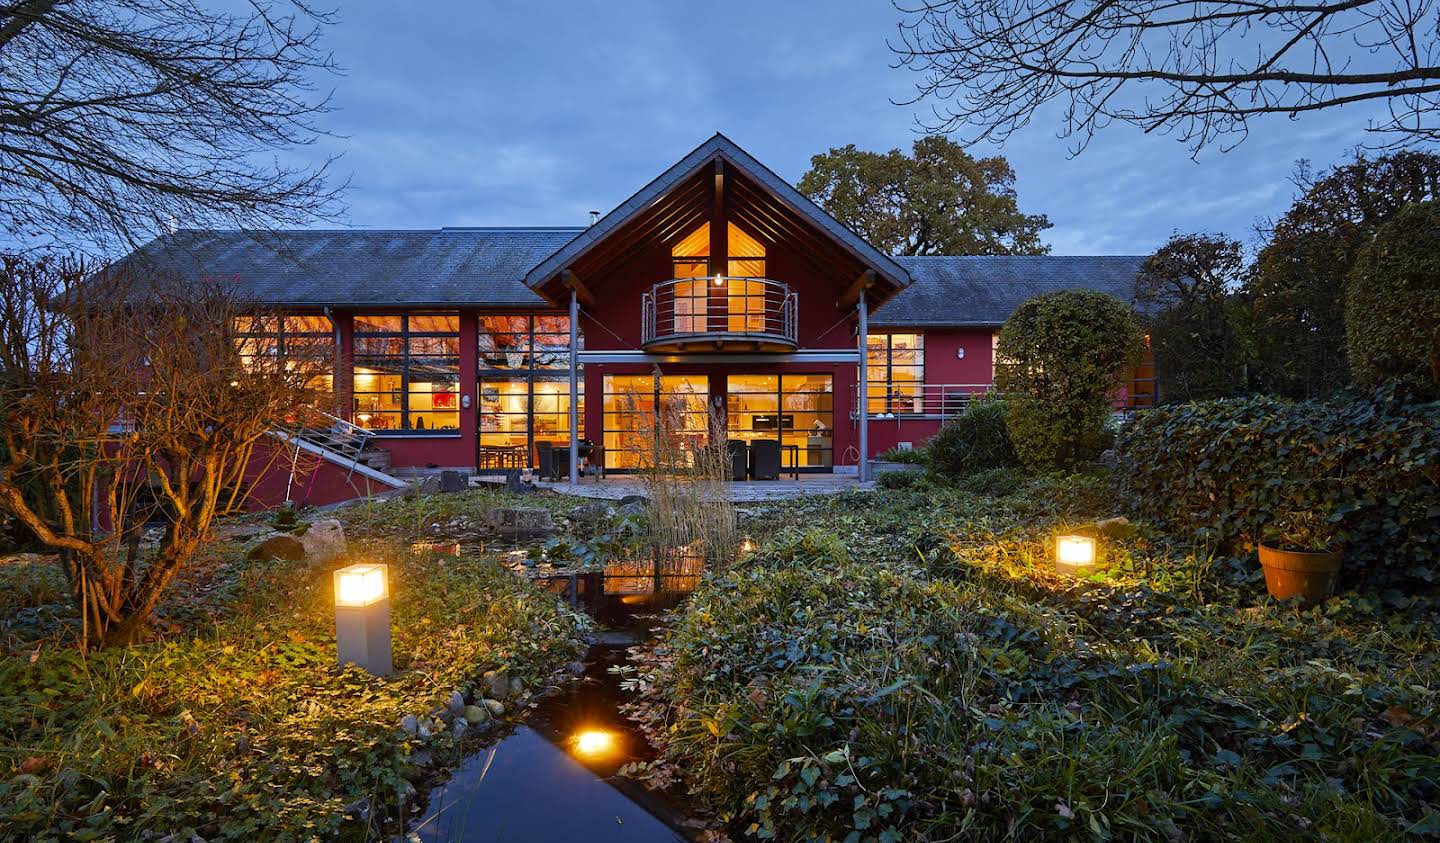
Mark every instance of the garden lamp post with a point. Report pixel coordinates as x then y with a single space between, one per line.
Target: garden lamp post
1074 554
362 617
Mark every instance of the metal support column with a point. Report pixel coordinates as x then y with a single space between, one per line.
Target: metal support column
863 397
574 387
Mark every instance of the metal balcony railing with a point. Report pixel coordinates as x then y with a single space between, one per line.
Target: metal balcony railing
943 400
694 310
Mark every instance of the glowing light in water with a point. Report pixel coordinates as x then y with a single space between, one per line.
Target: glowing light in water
595 743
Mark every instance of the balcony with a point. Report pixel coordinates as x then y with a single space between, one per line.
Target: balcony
694 314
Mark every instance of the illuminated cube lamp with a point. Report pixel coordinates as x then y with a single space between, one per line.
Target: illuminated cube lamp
362 617
1074 554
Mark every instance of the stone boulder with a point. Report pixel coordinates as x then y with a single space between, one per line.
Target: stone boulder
277 546
591 513
324 541
520 522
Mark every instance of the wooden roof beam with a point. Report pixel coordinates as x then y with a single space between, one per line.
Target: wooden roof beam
858 286
571 280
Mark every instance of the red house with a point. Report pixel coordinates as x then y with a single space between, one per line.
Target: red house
488 348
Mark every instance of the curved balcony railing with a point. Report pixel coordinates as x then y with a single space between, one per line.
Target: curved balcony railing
682 312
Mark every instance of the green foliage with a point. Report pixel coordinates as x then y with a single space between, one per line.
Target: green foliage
1060 357
1302 530
1227 469
917 671
912 456
1298 284
238 725
975 440
937 201
1392 311
897 479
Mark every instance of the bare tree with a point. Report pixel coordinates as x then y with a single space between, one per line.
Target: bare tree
120 118
127 401
1201 68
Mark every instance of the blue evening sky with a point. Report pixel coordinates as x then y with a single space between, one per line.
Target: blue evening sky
535 113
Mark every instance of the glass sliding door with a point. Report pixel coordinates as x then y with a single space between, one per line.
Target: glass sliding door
524 391
639 409
797 411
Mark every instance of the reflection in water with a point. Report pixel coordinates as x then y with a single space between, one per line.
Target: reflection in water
526 788
554 778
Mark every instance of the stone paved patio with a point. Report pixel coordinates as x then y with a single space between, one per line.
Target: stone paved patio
749 491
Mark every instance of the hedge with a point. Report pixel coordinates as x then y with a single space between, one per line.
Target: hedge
975 440
1224 469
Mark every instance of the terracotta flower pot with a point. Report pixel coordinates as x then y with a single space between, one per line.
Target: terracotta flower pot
1309 575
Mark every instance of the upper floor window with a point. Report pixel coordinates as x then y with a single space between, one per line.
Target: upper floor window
524 342
407 372
895 373
737 303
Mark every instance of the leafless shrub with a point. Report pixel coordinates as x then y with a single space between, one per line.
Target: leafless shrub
125 401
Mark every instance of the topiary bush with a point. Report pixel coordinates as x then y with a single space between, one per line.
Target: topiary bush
1059 360
1227 469
975 440
1392 308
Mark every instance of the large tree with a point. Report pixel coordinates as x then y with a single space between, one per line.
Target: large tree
1202 69
937 201
1297 286
1189 287
124 400
119 118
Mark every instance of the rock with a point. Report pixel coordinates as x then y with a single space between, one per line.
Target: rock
456 703
277 546
453 481
1118 527
476 714
629 500
359 809
423 733
520 522
630 510
458 728
517 687
591 513
410 724
575 668
495 707
324 541
1109 459
497 683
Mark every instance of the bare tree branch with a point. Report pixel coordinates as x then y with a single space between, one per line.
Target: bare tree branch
121 119
1202 68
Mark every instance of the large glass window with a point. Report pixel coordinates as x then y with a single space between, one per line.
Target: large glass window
634 403
798 411
407 372
737 302
264 341
895 371
524 400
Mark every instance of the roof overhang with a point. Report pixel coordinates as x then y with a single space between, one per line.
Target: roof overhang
756 197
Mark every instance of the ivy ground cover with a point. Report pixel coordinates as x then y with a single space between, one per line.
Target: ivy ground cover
914 670
235 722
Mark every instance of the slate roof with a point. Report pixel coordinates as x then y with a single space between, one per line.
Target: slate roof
982 291
684 168
360 268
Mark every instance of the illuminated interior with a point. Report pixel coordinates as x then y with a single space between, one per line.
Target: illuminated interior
407 373
739 303
795 410
631 405
267 341
895 373
521 413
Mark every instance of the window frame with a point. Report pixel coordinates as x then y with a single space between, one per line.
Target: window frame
887 395
406 355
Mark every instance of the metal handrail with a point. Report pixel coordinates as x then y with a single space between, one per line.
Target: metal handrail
760 308
943 400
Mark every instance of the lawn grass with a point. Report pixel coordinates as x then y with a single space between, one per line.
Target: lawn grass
235 722
914 669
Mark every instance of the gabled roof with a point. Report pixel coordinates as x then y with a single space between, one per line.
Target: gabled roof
722 147
953 291
361 268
